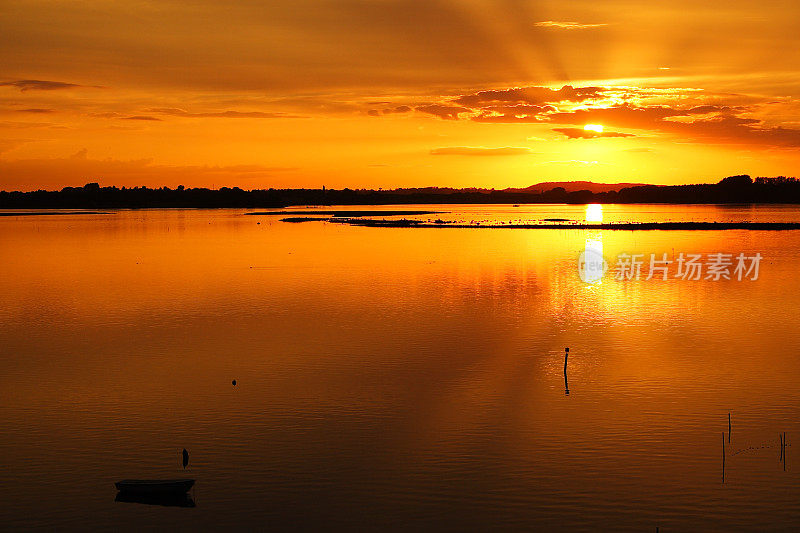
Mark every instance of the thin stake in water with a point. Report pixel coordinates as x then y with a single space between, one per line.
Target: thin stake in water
723 457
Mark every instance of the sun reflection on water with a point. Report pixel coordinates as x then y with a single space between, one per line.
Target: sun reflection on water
594 213
592 265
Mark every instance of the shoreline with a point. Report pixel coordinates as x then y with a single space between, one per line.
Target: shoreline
51 213
623 226
348 213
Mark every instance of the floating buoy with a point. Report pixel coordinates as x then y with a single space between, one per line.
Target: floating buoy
233 382
185 458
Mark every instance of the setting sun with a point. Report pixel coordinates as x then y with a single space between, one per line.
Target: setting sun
598 128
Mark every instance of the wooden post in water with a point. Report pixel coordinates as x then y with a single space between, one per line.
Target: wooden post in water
566 385
729 427
723 457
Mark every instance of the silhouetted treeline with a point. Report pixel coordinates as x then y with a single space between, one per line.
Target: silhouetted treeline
733 189
93 196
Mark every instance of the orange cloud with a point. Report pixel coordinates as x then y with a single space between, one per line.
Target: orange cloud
222 114
141 117
567 25
446 112
530 95
687 113
580 133
42 85
389 110
481 150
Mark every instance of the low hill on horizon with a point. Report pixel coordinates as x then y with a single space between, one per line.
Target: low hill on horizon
538 188
572 186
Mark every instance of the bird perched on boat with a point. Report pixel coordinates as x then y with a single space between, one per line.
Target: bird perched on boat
185 458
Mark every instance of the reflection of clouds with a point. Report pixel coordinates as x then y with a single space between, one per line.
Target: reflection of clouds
573 162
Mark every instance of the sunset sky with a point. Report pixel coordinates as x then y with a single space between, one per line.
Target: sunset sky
383 93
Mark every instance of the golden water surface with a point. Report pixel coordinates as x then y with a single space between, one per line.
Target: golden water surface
393 377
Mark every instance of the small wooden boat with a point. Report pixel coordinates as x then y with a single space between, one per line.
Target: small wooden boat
164 499
154 486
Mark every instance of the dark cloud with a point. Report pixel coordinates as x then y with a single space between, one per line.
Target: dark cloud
36 110
506 119
398 109
580 133
514 113
39 85
446 112
736 130
481 150
221 114
519 109
24 125
535 104
141 117
530 95
389 110
724 128
688 113
110 114
705 109
501 115
624 116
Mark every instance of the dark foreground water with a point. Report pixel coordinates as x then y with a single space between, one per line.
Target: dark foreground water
393 378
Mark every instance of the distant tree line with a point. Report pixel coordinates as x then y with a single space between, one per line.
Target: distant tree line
733 189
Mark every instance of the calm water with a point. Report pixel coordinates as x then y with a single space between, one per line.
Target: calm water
394 378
